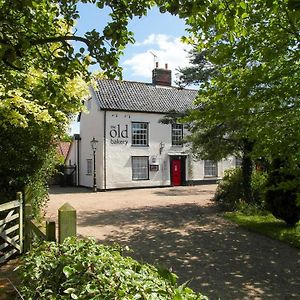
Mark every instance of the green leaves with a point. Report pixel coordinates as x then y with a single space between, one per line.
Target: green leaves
243 5
68 271
253 92
82 269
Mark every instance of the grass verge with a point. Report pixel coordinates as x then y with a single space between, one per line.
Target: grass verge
267 225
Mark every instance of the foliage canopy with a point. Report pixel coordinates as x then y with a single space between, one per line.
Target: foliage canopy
253 92
43 78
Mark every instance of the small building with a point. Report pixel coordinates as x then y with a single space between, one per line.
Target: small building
66 175
134 148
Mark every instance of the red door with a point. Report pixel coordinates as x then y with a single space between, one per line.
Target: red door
176 172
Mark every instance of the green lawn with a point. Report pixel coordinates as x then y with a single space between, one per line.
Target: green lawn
267 225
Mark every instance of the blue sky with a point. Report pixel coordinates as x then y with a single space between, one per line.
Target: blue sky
155 33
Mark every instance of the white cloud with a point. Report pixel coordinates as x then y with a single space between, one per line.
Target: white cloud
168 50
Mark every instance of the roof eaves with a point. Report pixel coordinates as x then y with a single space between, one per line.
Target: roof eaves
138 111
95 96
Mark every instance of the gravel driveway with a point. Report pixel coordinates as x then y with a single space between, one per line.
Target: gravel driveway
179 228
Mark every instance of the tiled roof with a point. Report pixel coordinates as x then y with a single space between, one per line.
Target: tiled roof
63 149
142 97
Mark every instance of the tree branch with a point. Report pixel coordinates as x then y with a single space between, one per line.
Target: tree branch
57 39
293 27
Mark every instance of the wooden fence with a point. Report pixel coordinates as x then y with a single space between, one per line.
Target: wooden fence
11 228
19 231
34 232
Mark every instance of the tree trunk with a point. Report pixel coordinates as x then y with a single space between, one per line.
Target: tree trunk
247 168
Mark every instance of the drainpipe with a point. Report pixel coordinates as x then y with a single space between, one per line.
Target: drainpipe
104 162
77 139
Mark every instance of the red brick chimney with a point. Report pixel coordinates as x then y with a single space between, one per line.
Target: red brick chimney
161 76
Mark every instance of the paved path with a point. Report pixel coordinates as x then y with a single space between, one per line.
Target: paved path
180 229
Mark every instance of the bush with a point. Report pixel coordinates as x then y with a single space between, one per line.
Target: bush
283 193
36 189
230 194
230 189
82 269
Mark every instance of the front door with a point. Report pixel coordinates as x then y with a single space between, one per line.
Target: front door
176 172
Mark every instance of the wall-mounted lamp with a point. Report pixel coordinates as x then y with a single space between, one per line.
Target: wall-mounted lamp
161 147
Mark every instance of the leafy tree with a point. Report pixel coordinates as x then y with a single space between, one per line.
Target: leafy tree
215 138
282 195
43 79
42 76
250 102
200 70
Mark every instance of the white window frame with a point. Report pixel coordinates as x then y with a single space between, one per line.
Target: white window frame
89 166
140 136
210 168
140 167
177 134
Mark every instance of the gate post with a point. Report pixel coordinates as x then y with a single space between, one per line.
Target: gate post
27 231
50 231
66 222
21 225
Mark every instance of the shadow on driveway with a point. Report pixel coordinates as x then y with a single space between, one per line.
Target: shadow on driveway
169 192
222 260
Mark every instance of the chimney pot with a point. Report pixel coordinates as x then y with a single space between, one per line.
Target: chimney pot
161 76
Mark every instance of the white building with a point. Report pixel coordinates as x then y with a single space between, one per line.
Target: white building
134 149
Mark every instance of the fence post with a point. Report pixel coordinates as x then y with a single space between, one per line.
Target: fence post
50 231
20 199
27 230
66 222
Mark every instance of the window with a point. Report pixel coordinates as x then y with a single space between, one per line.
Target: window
140 167
89 166
210 168
177 134
139 134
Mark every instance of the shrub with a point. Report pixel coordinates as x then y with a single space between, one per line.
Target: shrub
230 189
82 269
282 195
230 194
36 189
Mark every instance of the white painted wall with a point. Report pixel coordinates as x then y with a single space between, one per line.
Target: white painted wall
119 172
91 125
119 150
198 168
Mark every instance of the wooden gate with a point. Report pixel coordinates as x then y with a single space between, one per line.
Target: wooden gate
11 228
35 233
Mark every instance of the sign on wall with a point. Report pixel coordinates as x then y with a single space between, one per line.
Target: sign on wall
118 134
154 168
